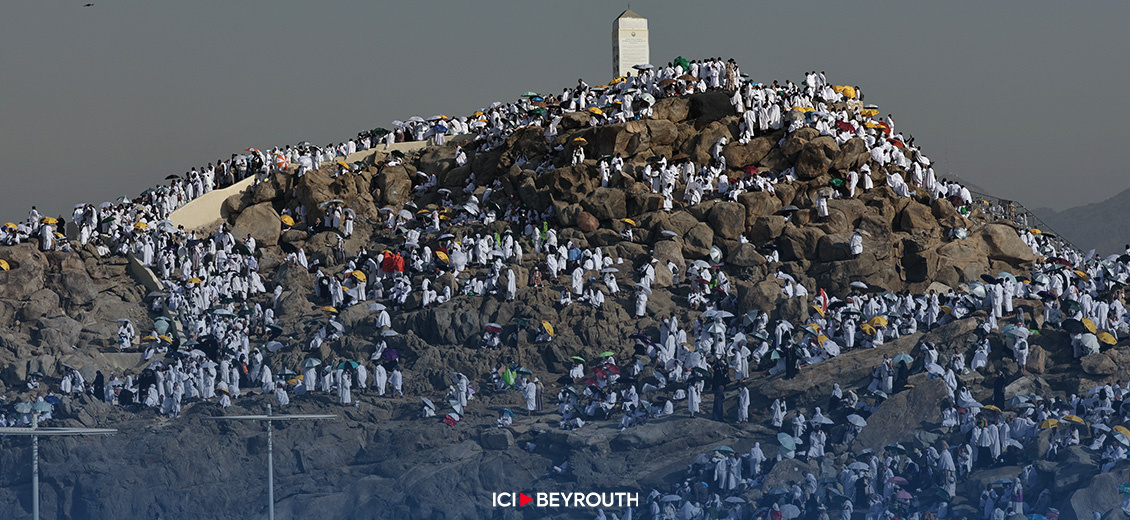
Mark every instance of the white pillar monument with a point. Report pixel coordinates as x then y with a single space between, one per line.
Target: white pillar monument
629 42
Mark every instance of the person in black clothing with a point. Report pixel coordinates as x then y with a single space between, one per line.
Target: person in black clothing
99 386
998 389
719 379
790 362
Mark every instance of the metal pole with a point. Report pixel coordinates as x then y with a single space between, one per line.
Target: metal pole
270 467
35 468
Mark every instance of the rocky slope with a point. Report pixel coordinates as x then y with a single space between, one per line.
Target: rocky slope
378 461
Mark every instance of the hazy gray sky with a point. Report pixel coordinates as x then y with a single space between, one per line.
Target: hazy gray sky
1019 97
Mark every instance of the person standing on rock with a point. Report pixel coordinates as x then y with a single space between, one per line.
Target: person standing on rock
777 413
743 405
380 378
641 302
856 243
694 397
530 392
578 281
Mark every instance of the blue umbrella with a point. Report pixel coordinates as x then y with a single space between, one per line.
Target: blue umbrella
786 441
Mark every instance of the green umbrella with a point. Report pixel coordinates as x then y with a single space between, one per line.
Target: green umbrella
525 371
347 365
578 358
607 353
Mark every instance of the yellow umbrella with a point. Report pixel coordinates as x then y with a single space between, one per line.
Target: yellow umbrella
287 219
165 338
867 328
580 141
149 338
849 92
1122 429
58 235
4 265
1107 338
616 80
548 327
595 110
1081 274
628 221
423 211
1049 423
993 408
878 321
1090 325
477 114
194 280
49 220
1036 231
600 87
837 88
869 113
818 310
329 308
10 225
358 275
1075 419
141 225
443 256
343 165
821 338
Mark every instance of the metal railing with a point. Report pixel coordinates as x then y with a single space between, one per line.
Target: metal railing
1015 212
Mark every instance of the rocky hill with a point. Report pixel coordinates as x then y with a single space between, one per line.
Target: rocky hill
59 309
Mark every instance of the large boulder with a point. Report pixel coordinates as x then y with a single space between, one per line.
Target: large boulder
606 204
746 255
670 251
727 219
905 413
1098 364
395 185
816 157
853 154
741 155
833 247
758 204
917 218
587 222
261 221
767 228
698 240
1004 244
710 106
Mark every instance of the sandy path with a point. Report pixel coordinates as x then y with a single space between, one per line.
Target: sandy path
204 212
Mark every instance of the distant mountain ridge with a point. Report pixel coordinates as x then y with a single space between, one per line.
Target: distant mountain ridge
1093 226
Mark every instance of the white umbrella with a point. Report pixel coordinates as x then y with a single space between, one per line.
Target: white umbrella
429 403
376 306
389 333
857 420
